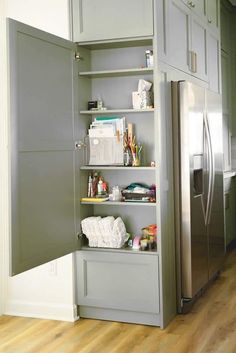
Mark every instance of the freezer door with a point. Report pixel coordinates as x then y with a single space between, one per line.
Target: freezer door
215 224
42 77
194 188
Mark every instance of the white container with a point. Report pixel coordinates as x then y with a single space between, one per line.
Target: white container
116 193
142 100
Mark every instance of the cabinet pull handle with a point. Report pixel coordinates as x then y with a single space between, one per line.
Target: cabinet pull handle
193 61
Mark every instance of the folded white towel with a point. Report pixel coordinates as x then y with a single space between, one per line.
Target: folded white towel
104 232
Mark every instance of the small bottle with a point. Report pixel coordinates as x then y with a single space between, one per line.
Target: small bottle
149 58
90 185
100 186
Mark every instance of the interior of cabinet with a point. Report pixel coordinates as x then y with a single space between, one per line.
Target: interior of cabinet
112 73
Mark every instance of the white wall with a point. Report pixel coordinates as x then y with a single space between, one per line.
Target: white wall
4 229
49 15
46 291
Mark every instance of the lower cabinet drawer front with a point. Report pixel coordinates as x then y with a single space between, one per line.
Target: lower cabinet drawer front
118 281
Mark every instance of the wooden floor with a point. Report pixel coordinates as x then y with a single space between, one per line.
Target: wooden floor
209 328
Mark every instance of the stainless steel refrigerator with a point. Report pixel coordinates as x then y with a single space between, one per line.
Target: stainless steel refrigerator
198 178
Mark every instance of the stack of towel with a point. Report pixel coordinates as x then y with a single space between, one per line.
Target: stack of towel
106 232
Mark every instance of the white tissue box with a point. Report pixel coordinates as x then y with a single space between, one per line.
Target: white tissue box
142 100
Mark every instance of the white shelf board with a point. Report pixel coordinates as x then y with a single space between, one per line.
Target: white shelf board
116 111
121 250
115 203
118 43
100 167
119 72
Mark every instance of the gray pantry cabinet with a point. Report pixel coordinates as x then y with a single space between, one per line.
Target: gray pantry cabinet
51 81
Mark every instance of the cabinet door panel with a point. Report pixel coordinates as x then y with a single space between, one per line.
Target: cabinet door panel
199 7
213 63
110 19
42 152
212 12
178 37
118 281
199 46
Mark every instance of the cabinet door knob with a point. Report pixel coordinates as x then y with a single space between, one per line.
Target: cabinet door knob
79 145
78 57
190 3
209 20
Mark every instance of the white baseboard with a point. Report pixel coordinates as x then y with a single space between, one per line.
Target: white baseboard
41 310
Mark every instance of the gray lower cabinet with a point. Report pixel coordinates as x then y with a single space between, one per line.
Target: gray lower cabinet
118 286
110 19
230 209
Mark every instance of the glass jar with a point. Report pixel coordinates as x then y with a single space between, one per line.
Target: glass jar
116 193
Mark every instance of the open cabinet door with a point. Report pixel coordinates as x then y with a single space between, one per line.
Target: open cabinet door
42 74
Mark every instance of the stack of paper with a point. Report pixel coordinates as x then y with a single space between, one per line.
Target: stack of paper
107 126
106 141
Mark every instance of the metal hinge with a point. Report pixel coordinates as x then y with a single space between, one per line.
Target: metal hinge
78 57
79 236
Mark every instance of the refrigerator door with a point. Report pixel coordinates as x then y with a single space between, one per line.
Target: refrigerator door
193 189
215 222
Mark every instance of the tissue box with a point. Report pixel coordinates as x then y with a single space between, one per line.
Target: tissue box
142 100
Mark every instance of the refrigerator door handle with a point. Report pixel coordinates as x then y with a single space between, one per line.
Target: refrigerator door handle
211 171
212 168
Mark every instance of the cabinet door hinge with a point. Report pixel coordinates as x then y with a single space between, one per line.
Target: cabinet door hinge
78 57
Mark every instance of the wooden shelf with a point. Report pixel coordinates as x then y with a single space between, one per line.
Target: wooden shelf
116 111
122 203
119 72
100 167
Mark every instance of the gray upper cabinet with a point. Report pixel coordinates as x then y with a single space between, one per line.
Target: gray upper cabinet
179 22
212 12
42 73
198 54
213 50
192 43
198 6
109 19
